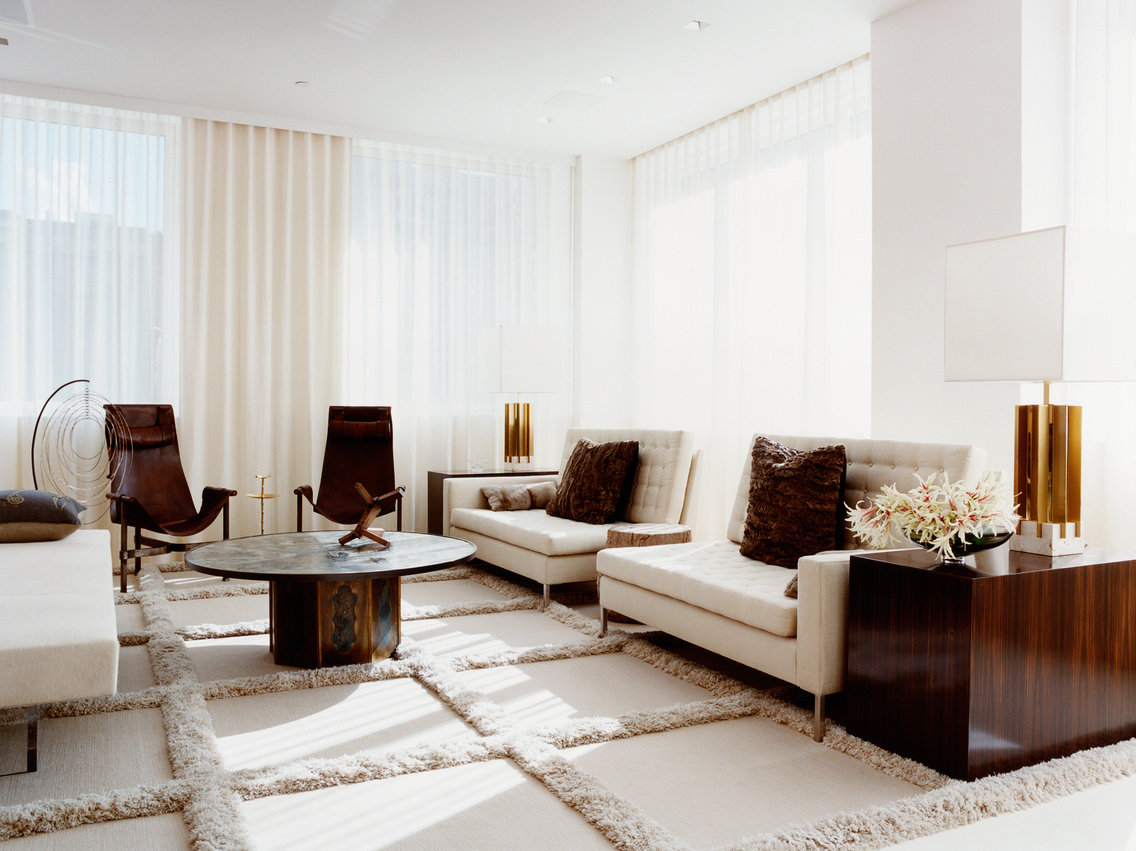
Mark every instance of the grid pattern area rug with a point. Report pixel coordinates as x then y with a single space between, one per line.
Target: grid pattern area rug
496 725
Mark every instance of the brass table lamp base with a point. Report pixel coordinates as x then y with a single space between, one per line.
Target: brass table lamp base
518 435
1047 479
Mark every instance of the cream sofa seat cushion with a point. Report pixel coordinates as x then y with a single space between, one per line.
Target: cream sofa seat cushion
660 479
871 465
532 530
710 575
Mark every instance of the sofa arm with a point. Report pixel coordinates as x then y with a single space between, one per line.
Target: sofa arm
466 492
822 621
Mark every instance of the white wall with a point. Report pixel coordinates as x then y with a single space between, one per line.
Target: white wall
947 168
601 348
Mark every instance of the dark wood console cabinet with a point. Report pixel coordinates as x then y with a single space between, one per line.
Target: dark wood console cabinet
975 674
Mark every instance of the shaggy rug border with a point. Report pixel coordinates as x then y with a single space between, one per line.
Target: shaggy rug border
209 796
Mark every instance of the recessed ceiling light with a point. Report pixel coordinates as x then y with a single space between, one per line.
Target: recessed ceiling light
545 119
301 84
696 26
609 80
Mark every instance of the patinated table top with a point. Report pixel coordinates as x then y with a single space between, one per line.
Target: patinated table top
318 555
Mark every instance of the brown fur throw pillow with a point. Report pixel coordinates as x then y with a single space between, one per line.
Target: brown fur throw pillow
508 497
795 502
596 480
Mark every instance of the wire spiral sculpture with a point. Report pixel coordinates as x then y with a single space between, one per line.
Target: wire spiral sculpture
70 451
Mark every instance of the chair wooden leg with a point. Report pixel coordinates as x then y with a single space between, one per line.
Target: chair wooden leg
137 546
398 515
299 513
225 521
122 556
33 740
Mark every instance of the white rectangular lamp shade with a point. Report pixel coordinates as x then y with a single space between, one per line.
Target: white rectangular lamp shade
1048 305
519 359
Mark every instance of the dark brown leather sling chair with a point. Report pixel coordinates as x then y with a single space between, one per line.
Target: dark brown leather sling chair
148 486
359 450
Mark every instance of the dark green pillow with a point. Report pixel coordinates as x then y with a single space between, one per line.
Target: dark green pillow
31 515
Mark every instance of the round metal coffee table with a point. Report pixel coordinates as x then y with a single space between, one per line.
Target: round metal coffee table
330 604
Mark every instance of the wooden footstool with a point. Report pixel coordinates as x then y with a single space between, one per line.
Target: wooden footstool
644 535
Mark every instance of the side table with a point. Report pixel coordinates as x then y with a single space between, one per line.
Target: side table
975 674
434 479
643 535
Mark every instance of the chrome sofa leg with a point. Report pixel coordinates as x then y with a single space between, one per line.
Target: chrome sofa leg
547 595
818 717
603 621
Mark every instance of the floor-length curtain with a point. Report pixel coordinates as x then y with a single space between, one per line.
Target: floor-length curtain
443 245
1103 195
266 234
753 277
88 260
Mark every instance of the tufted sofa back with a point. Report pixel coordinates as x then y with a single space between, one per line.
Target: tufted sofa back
661 477
871 465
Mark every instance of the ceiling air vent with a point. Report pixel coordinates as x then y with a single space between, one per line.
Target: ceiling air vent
566 99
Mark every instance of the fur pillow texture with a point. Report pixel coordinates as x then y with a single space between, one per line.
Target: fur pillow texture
542 493
519 497
507 497
796 504
34 515
597 481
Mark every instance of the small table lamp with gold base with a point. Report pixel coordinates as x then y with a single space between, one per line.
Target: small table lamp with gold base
1043 306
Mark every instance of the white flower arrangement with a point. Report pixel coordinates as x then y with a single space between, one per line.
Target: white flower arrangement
937 514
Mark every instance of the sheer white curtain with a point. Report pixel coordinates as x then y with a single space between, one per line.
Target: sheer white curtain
266 236
443 245
1103 195
89 227
753 277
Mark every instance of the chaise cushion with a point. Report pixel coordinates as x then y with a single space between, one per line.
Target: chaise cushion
710 575
597 480
533 530
795 505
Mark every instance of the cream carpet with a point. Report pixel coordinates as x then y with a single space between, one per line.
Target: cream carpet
495 725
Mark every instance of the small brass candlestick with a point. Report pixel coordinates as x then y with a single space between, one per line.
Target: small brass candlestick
262 496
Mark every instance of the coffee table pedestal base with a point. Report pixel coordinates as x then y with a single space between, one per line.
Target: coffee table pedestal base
320 623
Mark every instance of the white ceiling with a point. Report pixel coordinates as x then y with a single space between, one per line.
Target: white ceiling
470 70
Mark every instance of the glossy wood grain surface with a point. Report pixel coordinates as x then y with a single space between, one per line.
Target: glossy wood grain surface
974 674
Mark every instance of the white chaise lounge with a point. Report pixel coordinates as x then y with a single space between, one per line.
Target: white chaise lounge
709 594
58 638
553 550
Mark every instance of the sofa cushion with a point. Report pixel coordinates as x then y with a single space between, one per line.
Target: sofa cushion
533 530
795 506
871 465
34 515
710 575
663 473
596 485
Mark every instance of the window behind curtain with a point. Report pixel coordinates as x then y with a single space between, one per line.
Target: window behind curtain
444 245
88 252
753 277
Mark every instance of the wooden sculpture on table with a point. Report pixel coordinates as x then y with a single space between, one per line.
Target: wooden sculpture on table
373 510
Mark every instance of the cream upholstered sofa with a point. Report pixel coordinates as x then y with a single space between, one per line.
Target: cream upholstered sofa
709 594
58 636
554 550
